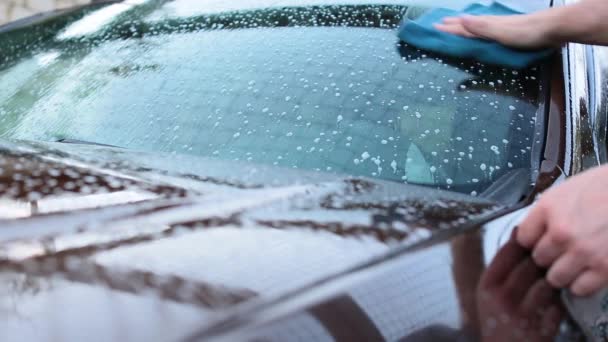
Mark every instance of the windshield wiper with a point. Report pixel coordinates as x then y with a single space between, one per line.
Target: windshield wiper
510 188
83 142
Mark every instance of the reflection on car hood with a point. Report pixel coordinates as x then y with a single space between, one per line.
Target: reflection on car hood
191 235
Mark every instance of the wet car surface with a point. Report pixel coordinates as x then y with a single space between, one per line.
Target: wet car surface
159 194
97 232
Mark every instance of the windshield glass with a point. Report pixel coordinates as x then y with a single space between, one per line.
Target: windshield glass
326 88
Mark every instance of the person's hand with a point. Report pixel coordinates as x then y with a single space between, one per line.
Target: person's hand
581 22
527 31
514 301
568 232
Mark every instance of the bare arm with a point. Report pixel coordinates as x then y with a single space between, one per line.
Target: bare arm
583 22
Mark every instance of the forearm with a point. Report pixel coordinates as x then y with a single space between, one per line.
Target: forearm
584 22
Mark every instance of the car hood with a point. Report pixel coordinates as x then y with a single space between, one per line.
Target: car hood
195 236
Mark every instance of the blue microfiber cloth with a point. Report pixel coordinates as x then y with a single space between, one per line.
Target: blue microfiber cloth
421 33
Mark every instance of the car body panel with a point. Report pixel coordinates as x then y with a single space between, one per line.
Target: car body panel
110 232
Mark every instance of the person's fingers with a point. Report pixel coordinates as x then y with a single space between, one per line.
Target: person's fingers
566 269
452 20
532 228
587 283
488 27
550 322
521 279
539 296
455 29
509 256
548 249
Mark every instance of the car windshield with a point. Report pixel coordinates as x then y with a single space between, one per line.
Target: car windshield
315 87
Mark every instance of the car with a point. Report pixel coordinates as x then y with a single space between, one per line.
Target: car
271 170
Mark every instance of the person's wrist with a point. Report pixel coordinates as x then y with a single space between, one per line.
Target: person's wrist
555 29
575 23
